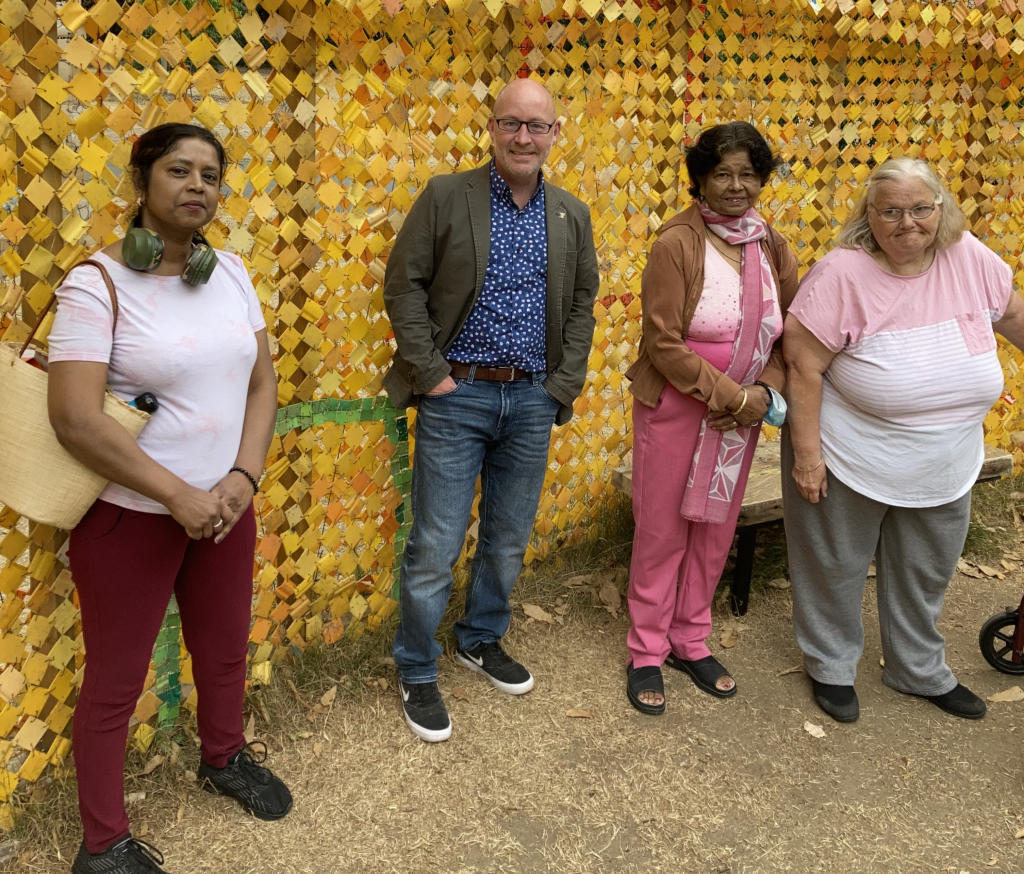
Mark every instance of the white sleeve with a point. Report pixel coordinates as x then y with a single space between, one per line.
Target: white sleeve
83 327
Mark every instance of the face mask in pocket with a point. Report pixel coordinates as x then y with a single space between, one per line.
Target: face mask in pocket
776 414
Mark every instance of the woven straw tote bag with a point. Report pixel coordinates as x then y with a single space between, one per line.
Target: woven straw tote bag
38 477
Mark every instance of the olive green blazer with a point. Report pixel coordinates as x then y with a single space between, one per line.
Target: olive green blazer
435 272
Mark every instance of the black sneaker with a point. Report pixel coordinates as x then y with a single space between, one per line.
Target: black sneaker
425 712
959 701
249 783
504 672
127 856
839 702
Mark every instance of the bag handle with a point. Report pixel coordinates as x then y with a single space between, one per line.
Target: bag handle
53 297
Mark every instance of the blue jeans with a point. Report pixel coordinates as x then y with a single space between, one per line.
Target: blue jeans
499 431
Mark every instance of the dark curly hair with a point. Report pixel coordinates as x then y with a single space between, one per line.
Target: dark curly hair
713 144
154 144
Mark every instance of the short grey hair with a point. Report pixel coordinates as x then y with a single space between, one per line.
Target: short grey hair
856 231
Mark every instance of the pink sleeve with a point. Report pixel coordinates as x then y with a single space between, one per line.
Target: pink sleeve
997 280
83 325
821 306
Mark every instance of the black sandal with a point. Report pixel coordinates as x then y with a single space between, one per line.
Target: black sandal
705 673
646 679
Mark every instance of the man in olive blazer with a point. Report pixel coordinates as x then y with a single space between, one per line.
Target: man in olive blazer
490 290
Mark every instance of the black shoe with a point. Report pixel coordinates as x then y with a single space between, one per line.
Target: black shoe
960 701
425 712
504 672
249 783
839 702
127 856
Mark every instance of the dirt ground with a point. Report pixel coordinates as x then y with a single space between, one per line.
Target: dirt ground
713 786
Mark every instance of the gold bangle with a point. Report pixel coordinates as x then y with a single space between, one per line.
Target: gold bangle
809 469
739 409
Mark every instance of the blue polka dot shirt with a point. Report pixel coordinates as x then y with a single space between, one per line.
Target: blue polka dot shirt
506 326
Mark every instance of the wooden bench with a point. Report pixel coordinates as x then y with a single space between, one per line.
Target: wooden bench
762 505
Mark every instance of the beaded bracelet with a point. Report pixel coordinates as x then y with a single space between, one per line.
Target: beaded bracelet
252 480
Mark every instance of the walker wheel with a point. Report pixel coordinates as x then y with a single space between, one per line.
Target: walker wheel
996 642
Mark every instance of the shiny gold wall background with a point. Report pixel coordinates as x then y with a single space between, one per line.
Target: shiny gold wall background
334 115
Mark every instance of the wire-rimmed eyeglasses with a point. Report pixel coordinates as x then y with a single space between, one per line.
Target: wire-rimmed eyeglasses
895 214
512 125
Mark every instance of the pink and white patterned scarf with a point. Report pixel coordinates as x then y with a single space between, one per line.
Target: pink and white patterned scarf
717 461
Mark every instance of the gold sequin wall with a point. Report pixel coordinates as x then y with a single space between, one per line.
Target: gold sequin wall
334 115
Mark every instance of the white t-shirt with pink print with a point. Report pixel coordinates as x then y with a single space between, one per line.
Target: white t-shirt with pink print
193 347
915 372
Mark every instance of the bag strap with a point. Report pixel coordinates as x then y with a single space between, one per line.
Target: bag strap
53 297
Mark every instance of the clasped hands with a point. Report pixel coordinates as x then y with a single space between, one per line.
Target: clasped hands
214 513
755 408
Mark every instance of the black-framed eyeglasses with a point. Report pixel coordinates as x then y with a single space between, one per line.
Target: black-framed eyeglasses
512 125
895 214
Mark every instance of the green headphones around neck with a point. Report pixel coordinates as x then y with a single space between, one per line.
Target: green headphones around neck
144 250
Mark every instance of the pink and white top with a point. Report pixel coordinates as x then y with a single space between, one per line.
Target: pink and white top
192 347
916 369
717 315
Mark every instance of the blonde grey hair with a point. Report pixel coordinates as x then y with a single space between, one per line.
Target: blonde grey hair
856 231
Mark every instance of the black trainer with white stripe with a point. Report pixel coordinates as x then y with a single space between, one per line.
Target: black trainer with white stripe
127 856
504 672
249 783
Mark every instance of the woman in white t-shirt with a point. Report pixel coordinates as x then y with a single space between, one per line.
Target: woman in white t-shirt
892 368
177 515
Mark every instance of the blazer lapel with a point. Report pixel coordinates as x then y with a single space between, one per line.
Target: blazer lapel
478 201
557 230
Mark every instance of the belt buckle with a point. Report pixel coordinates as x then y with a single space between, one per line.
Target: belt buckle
512 374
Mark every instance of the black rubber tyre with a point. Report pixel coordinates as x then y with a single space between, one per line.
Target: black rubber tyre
996 642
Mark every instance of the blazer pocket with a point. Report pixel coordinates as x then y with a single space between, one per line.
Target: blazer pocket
976 329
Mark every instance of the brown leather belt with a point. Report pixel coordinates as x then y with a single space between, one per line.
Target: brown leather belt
489 374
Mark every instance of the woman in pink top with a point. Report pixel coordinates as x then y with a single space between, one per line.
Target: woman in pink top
177 515
892 368
715 291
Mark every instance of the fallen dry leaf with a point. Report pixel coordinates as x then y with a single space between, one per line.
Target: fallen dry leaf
581 580
872 571
249 732
134 797
728 638
537 613
1020 834
579 714
991 572
154 763
143 830
796 669
967 570
327 699
189 776
181 813
814 730
172 759
610 597
1008 565
1007 696
780 583
318 748
383 683
460 693
881 662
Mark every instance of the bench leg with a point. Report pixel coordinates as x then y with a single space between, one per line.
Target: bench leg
744 569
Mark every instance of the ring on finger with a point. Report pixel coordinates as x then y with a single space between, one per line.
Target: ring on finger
220 524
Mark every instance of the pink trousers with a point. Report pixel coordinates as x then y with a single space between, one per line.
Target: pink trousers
676 563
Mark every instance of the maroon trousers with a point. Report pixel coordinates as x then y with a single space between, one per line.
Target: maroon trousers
125 565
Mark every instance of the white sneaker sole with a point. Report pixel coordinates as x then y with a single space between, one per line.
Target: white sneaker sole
426 734
507 688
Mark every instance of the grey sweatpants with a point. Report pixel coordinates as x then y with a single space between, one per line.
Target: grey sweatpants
831 545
